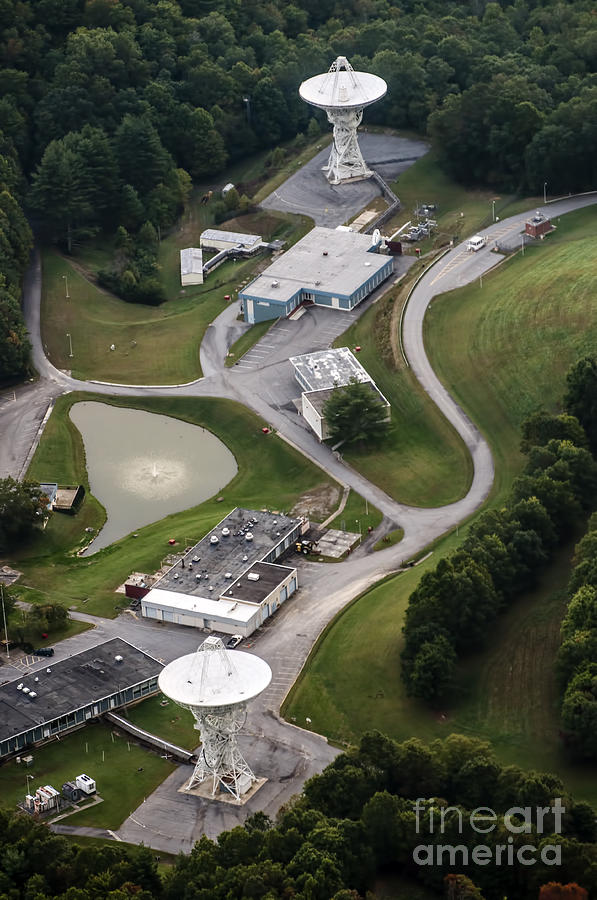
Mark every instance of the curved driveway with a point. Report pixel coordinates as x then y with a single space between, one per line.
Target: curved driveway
324 589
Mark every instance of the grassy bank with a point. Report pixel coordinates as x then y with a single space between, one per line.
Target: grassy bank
270 474
460 211
502 350
423 461
152 345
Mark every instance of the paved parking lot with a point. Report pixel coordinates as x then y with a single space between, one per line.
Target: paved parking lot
309 192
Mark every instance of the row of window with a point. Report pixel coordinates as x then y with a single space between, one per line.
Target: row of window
46 730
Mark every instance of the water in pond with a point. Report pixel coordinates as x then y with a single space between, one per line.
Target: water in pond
144 466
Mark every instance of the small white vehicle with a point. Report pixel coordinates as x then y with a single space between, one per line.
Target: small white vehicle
476 243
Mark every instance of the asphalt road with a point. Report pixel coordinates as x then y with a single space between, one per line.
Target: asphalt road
168 819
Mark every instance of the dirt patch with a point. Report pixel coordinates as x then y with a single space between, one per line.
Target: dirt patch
317 503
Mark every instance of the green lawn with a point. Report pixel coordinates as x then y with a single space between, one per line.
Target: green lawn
170 722
270 474
153 345
394 537
504 348
507 694
357 515
124 772
423 461
503 351
248 340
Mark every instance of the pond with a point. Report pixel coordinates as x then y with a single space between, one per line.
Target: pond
143 466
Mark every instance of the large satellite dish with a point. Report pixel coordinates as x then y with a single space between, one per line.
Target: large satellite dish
344 93
216 685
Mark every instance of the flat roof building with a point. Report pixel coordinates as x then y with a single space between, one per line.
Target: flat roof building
196 590
327 267
67 694
320 374
214 239
191 266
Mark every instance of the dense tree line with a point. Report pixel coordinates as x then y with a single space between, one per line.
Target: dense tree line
577 656
451 611
356 821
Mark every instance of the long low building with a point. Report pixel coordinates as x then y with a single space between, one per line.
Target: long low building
327 267
66 695
230 581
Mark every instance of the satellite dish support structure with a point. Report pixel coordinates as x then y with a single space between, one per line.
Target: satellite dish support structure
343 94
216 685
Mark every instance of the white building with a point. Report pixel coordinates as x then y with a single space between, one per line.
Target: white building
191 266
214 239
230 581
320 374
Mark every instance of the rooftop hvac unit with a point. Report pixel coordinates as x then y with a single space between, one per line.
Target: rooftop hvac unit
118 658
248 536
275 284
26 690
225 532
214 539
228 575
20 686
32 694
196 558
245 558
198 577
253 576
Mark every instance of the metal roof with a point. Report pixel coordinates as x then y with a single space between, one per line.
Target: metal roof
230 237
214 678
191 261
343 88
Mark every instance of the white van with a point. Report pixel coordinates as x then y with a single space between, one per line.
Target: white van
476 243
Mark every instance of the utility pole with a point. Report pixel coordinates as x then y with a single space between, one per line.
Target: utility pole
66 287
4 617
545 191
70 344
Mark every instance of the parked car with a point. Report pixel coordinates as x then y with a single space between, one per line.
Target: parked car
476 243
234 641
44 651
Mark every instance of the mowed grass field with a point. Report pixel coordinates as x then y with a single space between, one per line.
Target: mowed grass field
503 351
152 345
270 474
422 461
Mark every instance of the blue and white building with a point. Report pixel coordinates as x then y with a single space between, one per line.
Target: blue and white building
328 267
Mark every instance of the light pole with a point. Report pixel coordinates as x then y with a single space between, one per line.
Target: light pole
27 780
4 617
70 343
493 210
247 100
66 287
545 191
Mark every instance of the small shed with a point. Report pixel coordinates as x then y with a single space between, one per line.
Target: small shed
538 225
67 499
191 266
71 792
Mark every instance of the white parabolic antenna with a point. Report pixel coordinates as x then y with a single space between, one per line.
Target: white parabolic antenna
215 685
344 94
